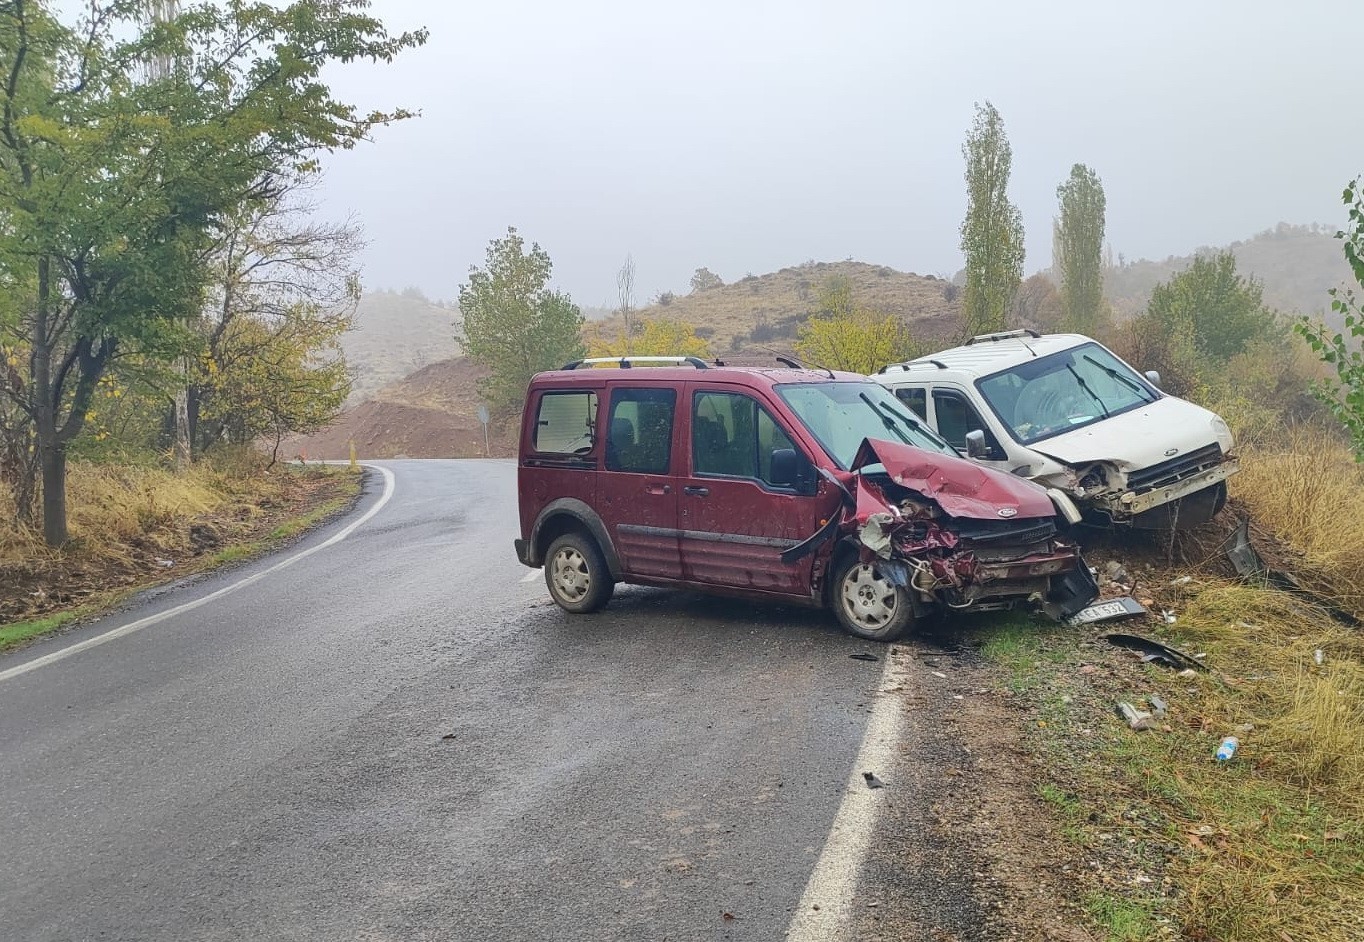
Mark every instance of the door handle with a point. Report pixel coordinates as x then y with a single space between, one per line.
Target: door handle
658 488
696 491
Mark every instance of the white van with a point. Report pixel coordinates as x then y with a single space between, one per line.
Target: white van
1064 411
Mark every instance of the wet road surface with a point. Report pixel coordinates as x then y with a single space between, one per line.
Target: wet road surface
399 738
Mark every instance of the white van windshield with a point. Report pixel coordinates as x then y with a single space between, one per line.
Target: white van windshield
842 415
1064 391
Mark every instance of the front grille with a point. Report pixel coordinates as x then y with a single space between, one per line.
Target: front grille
1175 470
1019 533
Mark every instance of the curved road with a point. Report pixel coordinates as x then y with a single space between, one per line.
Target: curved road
397 737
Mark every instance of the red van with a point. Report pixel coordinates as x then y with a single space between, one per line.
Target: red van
793 485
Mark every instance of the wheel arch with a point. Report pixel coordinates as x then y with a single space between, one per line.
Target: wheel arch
564 516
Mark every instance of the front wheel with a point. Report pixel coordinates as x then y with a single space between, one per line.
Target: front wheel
869 605
576 574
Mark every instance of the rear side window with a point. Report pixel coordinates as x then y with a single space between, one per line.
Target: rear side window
915 399
733 435
639 434
566 423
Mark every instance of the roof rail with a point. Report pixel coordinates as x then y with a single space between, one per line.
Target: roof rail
1004 335
904 367
627 362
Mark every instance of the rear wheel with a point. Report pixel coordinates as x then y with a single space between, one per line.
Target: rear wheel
868 604
576 574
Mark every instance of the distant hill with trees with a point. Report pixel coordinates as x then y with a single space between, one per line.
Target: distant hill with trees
1296 264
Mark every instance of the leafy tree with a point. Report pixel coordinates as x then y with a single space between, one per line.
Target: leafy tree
834 298
703 279
1079 238
656 337
859 340
114 179
1225 310
1344 396
1196 322
513 323
272 379
992 232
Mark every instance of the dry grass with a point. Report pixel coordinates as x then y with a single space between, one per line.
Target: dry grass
1309 492
132 525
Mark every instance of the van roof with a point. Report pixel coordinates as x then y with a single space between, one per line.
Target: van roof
984 356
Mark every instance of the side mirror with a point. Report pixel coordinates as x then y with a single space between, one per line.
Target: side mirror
1153 377
785 467
975 444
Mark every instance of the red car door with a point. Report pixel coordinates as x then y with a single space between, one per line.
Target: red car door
735 521
637 489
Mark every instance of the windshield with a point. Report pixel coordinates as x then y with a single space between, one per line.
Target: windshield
842 415
1064 391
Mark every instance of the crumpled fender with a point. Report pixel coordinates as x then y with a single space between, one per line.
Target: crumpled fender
960 487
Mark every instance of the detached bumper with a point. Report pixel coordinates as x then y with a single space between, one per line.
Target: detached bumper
1132 503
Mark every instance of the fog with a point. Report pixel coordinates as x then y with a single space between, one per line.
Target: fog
748 136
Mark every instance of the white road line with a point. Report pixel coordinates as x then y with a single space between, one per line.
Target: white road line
150 620
532 575
833 883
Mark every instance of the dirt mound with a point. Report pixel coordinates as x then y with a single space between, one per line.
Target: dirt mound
431 414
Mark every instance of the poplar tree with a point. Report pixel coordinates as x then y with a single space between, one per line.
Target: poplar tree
992 232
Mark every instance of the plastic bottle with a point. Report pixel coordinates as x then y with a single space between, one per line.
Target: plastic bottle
1227 749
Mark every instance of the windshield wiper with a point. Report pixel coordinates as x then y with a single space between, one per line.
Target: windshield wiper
887 418
1141 390
1085 386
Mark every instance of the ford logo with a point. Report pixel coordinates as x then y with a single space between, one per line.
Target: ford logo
1007 512
1171 451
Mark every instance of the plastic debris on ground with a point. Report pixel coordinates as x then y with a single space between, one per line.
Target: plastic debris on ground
1138 720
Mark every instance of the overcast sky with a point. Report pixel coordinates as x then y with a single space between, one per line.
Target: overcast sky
747 136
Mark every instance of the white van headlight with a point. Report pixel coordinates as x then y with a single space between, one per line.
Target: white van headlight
1223 432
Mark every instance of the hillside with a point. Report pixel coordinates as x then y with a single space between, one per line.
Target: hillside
766 310
431 414
1297 265
396 334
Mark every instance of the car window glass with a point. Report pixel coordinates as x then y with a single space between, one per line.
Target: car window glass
733 435
915 399
956 417
565 423
639 432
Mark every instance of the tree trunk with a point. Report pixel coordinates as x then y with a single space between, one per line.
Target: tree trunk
52 458
51 451
183 449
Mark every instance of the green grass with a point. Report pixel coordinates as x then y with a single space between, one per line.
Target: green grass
19 632
1123 920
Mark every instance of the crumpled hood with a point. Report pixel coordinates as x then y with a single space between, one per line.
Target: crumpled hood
1135 439
960 487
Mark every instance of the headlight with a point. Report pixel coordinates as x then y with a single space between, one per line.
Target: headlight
1222 431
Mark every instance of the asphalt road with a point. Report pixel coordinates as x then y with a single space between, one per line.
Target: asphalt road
399 738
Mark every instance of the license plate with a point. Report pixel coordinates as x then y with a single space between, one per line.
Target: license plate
1105 611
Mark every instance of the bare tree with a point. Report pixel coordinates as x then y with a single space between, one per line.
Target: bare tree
280 267
625 288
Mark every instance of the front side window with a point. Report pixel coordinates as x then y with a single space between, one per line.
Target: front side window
956 417
1064 391
734 436
842 415
639 433
915 399
565 423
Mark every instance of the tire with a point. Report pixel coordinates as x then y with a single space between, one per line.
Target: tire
576 574
868 605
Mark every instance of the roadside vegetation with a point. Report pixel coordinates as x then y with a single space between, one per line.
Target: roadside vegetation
169 299
1164 841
